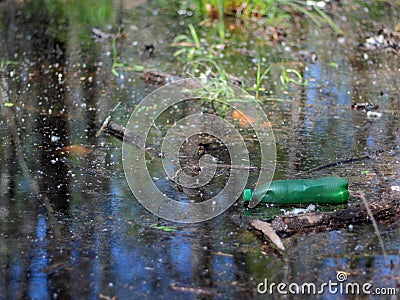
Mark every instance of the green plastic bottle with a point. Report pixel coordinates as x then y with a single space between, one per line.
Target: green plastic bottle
326 190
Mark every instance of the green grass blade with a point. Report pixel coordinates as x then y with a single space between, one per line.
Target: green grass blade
328 20
194 36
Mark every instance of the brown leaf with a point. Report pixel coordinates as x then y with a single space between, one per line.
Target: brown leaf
74 150
183 44
268 231
247 121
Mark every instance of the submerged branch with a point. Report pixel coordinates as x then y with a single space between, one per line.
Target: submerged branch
128 137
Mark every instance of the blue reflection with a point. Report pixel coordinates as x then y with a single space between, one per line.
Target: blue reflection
16 274
38 278
128 265
327 90
383 266
370 142
180 256
223 268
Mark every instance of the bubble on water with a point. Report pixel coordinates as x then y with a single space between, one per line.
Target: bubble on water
54 138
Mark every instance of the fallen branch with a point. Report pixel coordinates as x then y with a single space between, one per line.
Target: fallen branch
128 137
382 209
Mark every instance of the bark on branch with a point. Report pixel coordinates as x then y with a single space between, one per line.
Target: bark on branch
126 136
385 209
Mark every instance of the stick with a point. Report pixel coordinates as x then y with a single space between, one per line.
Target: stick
107 120
126 136
195 290
344 161
376 228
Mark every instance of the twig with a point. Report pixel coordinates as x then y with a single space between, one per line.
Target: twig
107 120
345 161
126 136
376 228
103 126
195 290
251 168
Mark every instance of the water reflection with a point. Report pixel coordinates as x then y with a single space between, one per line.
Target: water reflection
38 285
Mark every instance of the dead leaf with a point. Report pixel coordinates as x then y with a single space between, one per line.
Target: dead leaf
246 121
72 150
183 44
268 231
105 297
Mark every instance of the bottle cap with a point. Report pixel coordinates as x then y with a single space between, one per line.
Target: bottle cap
247 195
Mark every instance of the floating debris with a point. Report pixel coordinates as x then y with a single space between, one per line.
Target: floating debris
164 228
100 35
72 150
385 39
364 106
158 78
374 115
269 232
247 121
395 188
297 210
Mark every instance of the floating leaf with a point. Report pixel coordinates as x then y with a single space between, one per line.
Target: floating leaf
333 64
246 121
268 231
183 44
74 150
164 228
243 120
8 104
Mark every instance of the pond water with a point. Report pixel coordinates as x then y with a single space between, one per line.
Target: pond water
70 227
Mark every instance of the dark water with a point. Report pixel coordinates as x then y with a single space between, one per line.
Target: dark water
70 227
